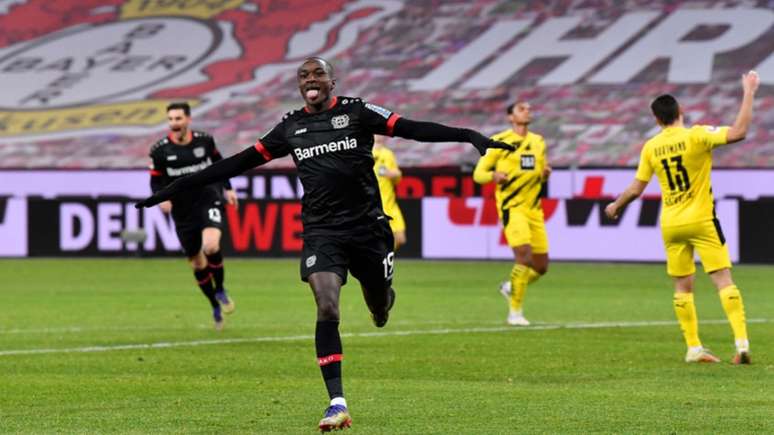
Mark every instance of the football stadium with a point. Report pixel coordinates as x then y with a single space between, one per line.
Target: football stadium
386 216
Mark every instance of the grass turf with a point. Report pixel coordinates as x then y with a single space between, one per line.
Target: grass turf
454 369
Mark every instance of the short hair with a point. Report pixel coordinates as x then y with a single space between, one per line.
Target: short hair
185 107
509 109
326 65
665 109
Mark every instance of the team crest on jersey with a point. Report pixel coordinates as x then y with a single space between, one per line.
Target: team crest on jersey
136 56
341 121
198 152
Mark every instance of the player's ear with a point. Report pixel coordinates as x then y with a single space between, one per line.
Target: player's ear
333 84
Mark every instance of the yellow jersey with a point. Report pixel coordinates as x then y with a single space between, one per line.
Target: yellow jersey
385 158
524 167
682 160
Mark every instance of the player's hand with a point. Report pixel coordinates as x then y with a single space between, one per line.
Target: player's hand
483 143
166 206
612 211
160 196
499 177
231 198
546 172
750 81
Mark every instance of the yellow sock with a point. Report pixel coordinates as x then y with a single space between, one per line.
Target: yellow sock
685 310
518 286
532 275
731 300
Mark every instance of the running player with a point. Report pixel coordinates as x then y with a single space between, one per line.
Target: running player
198 213
388 175
519 176
331 142
681 158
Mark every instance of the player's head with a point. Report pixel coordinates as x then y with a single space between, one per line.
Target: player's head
519 113
316 80
178 116
666 110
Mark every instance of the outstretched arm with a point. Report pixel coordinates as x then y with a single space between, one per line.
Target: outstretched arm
738 130
220 171
433 132
630 194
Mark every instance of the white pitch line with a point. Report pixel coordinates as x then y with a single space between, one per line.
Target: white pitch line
439 331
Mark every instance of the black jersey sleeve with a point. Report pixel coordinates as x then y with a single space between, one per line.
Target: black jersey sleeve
216 157
274 144
223 170
423 131
377 119
157 171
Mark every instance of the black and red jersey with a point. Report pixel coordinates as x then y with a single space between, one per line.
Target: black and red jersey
170 161
332 150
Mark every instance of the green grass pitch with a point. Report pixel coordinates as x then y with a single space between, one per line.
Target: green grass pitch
127 346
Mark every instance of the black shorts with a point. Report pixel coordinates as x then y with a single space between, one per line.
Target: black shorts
206 213
368 254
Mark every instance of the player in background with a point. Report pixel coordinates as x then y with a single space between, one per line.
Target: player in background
388 175
519 176
331 142
681 158
198 213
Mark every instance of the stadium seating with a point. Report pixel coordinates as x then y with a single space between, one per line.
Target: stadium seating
584 124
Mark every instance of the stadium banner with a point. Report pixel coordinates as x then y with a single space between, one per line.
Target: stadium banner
468 228
281 184
111 226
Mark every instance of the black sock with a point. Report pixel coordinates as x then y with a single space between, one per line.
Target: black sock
215 263
204 279
329 355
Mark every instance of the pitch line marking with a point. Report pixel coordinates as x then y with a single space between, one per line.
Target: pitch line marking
439 331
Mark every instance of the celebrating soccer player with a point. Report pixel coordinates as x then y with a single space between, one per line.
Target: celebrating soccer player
682 160
198 213
519 176
331 140
388 175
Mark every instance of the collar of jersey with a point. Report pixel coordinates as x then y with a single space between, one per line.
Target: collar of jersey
188 138
330 106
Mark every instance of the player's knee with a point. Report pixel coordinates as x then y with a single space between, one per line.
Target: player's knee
198 262
210 248
541 268
327 310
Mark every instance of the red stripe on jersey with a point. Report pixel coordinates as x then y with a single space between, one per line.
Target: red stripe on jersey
155 173
262 149
325 360
391 123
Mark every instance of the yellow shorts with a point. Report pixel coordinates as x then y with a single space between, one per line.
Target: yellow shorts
525 227
397 223
706 237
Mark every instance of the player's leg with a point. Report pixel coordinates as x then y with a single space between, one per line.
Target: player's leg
323 266
681 268
190 238
210 211
539 242
211 248
519 237
710 244
326 287
373 263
